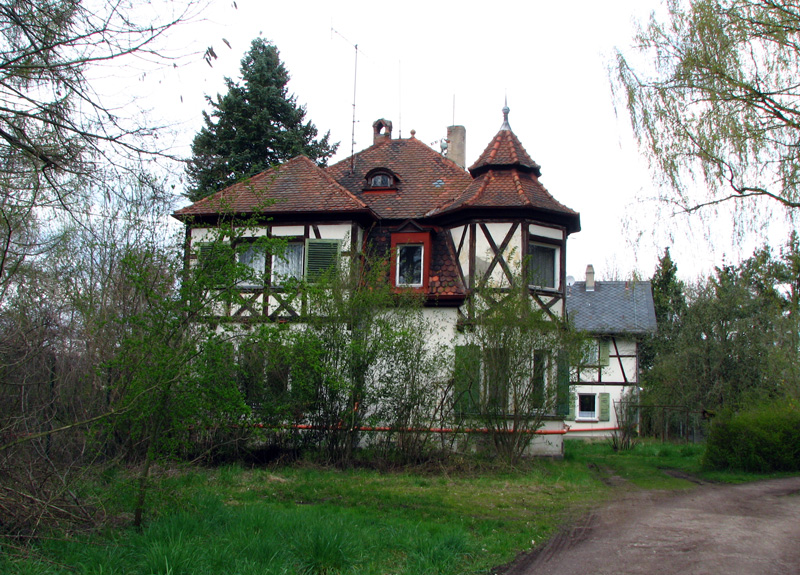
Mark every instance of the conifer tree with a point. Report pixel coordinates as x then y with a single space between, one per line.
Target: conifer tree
257 124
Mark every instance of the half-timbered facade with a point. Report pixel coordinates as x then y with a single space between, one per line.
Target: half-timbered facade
460 237
617 315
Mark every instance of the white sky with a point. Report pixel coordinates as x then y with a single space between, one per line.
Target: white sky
551 59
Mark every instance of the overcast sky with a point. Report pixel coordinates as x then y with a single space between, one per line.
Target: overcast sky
425 65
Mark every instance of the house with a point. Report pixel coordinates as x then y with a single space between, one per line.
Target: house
617 315
452 234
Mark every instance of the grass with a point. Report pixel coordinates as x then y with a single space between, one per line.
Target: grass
309 520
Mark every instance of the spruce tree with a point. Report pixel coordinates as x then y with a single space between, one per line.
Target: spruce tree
257 124
669 302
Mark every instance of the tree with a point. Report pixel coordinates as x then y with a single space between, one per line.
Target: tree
736 342
669 302
60 139
512 371
257 124
723 103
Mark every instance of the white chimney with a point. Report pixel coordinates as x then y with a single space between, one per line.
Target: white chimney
590 278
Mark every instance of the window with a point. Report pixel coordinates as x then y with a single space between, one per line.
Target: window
587 406
288 265
255 258
263 373
597 353
543 265
412 254
409 265
214 261
380 179
541 360
594 406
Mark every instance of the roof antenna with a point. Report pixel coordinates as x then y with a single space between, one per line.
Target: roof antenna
454 110
355 85
400 98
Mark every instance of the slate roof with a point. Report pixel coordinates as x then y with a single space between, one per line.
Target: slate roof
297 186
426 178
613 308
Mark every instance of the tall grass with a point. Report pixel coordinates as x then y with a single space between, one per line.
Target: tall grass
305 520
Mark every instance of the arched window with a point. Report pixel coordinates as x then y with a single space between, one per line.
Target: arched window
381 179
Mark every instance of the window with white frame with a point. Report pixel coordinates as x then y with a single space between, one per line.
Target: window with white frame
543 265
254 257
288 263
587 406
409 265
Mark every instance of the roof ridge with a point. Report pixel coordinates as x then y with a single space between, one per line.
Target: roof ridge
482 189
520 189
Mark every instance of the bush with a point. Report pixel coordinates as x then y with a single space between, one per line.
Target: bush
762 440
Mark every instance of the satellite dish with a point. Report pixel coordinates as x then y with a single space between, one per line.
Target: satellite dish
570 281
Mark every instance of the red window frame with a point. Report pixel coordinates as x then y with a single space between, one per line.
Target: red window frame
412 238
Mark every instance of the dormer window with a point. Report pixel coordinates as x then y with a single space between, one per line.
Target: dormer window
409 265
381 179
411 260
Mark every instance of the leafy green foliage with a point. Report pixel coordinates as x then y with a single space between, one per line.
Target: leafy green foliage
364 357
762 439
736 340
521 353
721 104
256 125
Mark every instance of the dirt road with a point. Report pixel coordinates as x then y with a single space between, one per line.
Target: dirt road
751 529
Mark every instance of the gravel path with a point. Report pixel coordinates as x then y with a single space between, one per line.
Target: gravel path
751 529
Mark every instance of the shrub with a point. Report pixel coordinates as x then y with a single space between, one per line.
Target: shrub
763 439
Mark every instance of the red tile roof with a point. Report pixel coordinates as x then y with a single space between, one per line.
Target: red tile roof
506 188
297 186
426 178
505 149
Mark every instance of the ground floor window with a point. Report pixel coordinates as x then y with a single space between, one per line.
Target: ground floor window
587 406
594 406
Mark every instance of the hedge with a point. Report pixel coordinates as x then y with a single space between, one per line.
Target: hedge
762 440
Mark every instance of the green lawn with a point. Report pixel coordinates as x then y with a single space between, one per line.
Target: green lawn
460 518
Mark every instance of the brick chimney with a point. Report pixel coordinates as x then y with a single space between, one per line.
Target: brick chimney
457 144
381 131
590 277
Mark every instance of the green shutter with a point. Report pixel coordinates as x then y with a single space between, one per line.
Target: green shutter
215 261
605 407
496 369
321 257
603 352
565 402
539 380
467 379
571 399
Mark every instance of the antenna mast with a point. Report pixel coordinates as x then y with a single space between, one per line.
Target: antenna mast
353 133
355 85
